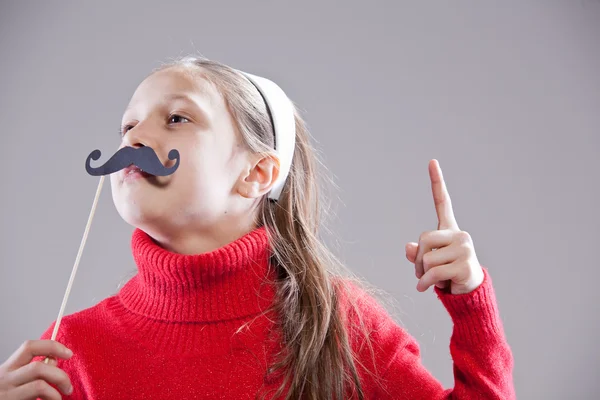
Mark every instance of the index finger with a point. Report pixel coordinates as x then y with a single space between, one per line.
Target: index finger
441 198
32 348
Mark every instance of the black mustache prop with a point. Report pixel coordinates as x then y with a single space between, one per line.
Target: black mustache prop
144 157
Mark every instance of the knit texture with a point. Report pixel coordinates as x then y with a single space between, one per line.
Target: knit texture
199 327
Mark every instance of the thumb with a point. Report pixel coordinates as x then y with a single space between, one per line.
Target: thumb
411 251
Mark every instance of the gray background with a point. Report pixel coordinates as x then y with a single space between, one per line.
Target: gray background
505 94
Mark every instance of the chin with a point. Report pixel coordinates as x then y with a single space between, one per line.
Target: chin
137 213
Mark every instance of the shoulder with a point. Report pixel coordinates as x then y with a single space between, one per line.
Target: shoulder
76 331
79 326
358 301
375 336
80 332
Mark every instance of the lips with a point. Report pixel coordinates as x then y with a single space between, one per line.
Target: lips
132 170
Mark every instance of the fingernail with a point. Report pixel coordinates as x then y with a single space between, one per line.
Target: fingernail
69 352
69 390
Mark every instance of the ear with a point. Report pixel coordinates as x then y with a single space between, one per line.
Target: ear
260 178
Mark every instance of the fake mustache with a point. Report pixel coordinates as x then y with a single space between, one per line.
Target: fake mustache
143 157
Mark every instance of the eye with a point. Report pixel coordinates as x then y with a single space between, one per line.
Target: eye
177 116
123 130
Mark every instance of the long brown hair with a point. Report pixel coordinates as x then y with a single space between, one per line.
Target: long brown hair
317 361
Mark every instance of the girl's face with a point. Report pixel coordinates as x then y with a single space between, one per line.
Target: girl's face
214 185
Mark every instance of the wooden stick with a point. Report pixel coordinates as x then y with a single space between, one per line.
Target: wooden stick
74 271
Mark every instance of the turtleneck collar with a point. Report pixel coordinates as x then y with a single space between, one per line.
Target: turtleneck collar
220 285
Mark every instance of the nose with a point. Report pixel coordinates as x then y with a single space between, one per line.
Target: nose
137 137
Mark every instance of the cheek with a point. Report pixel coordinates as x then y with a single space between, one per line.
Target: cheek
204 175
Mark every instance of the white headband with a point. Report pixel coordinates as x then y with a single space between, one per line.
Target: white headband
284 125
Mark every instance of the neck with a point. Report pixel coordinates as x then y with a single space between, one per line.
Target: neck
195 240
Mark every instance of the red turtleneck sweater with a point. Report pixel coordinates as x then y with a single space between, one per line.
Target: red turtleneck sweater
173 332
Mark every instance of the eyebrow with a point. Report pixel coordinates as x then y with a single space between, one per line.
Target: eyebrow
180 97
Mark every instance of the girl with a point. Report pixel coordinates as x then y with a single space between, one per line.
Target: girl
235 296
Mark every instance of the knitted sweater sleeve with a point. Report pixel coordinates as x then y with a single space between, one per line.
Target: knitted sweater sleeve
482 359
